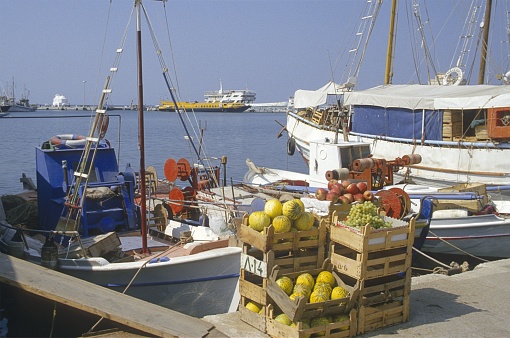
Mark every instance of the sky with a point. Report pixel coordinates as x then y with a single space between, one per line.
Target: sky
273 47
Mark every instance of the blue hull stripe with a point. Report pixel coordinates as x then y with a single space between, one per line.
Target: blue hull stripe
204 279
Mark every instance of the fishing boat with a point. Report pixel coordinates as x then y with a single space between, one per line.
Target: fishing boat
9 103
460 129
215 101
462 220
114 229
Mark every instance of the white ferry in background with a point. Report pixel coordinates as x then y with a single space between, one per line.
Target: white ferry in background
238 100
244 96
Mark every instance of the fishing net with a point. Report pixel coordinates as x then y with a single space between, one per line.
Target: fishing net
20 211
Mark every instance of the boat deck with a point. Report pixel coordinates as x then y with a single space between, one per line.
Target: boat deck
97 300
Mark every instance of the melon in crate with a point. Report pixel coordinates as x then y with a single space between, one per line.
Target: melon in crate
321 321
273 208
342 318
307 279
254 307
319 296
326 277
285 283
284 319
258 220
293 209
339 292
305 221
281 224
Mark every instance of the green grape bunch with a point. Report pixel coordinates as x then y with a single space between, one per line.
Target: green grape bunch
363 214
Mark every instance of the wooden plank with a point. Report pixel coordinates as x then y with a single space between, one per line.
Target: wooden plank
91 298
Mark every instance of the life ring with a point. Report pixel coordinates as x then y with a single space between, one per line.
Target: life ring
69 140
291 146
450 79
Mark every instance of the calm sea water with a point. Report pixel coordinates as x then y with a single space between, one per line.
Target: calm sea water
236 135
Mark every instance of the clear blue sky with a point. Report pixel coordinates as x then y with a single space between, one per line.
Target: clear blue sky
273 47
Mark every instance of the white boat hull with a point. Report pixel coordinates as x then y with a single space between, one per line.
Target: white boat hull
198 285
440 164
481 236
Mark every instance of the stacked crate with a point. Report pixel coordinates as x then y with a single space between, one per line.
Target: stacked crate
379 260
301 311
262 251
452 125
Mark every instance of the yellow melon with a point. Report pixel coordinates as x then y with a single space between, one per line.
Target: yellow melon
339 292
258 220
285 283
305 278
284 319
305 221
321 321
295 295
323 287
273 208
318 296
293 209
303 289
255 307
326 277
281 224
342 318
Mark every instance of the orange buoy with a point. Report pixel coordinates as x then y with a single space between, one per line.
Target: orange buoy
176 200
183 169
170 169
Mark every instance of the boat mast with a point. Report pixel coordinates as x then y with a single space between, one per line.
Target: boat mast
485 41
141 134
391 37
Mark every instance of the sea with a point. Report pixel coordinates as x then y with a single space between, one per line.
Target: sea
238 136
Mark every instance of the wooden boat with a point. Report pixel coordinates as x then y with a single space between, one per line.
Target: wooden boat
461 130
110 231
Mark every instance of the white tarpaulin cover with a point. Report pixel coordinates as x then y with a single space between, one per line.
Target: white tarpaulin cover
432 97
313 98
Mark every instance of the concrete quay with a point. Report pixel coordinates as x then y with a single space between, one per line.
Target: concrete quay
471 304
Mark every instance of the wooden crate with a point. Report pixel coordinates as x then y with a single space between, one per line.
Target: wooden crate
257 320
481 132
385 289
371 318
289 241
95 246
299 308
260 263
367 265
452 129
368 239
451 117
346 328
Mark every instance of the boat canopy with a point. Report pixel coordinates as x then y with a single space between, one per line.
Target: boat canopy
431 97
313 98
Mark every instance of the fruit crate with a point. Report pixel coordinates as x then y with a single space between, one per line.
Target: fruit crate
288 241
260 263
371 318
368 265
299 308
345 328
383 289
368 239
257 320
253 288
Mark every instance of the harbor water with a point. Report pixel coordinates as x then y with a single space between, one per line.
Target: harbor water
238 136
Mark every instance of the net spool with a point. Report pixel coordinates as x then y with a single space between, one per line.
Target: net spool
176 200
170 169
337 174
362 164
411 159
183 169
189 193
